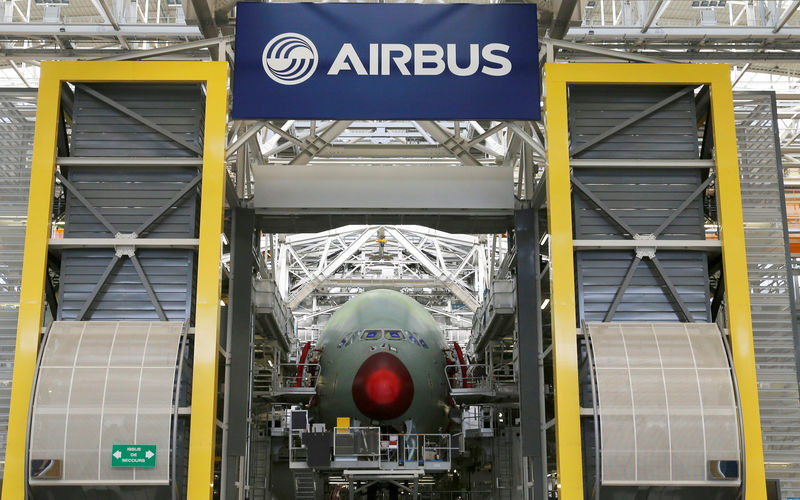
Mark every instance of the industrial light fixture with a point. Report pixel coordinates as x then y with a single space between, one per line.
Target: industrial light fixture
709 4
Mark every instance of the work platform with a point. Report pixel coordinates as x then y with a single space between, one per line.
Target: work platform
495 317
273 319
368 448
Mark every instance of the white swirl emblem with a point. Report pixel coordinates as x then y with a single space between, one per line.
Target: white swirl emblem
290 58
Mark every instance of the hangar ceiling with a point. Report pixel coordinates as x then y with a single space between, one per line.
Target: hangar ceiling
758 37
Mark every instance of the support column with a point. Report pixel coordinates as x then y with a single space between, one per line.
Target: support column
240 328
528 299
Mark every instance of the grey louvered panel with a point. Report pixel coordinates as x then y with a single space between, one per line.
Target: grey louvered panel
18 110
100 130
643 199
170 272
771 287
600 274
127 198
668 133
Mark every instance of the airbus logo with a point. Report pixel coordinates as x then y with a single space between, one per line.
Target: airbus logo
291 58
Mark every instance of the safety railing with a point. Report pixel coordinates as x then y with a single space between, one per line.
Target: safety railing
436 447
468 376
432 451
368 448
290 376
363 443
504 374
298 453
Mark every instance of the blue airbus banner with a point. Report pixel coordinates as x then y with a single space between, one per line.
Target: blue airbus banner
386 61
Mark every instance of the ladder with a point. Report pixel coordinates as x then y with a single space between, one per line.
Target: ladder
503 474
259 466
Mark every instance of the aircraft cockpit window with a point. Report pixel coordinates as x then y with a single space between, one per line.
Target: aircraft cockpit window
394 335
371 334
423 344
412 338
347 340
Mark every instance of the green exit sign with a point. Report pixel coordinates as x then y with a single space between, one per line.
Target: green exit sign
133 455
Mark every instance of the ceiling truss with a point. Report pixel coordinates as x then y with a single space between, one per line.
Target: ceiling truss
447 273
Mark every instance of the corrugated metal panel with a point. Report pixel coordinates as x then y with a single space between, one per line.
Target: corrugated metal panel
128 197
17 109
769 271
667 133
100 130
599 275
170 273
641 198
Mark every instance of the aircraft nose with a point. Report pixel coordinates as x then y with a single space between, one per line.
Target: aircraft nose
383 388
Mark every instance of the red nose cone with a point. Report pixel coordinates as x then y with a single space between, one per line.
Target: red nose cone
382 388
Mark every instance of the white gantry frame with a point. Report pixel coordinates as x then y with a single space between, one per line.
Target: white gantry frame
447 273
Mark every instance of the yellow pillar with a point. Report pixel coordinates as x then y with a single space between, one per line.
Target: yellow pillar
204 393
737 293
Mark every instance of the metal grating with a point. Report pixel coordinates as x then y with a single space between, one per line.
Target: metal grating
666 403
17 117
771 299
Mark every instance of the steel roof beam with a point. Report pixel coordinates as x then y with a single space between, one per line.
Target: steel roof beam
689 33
104 10
452 143
370 283
592 49
242 139
561 20
384 151
319 142
319 278
433 269
786 15
31 30
170 49
655 12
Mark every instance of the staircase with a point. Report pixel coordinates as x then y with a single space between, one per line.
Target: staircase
770 279
305 488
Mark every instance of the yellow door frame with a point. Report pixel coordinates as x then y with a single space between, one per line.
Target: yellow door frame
737 292
202 440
